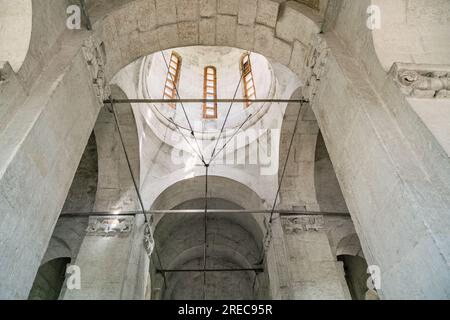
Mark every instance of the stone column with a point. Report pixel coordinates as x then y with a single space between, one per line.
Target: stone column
112 260
276 261
314 271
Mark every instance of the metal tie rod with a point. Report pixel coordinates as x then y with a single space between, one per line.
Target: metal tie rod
257 270
121 101
202 211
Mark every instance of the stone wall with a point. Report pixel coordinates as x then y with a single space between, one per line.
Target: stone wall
41 148
385 161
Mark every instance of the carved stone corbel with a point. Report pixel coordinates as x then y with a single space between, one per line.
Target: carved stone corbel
110 226
422 80
298 224
149 241
95 56
315 65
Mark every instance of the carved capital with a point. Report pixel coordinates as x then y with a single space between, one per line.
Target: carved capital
110 226
149 241
422 80
297 224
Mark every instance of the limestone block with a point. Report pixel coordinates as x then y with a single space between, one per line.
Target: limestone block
146 16
308 127
188 33
264 39
130 45
226 30
109 29
208 8
307 113
298 58
245 37
149 41
295 25
187 10
207 31
166 12
168 36
229 7
126 22
247 12
305 151
267 12
281 51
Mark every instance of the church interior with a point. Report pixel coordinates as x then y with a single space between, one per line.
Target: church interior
224 149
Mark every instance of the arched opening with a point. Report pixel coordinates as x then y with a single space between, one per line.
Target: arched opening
15 31
49 280
217 257
355 266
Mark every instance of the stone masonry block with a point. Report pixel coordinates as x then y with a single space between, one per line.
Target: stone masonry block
187 10
247 12
267 12
264 38
166 12
281 51
207 31
208 8
295 25
229 7
245 37
188 33
226 30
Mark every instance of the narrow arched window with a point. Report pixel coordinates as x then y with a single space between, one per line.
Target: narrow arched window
173 78
247 79
210 93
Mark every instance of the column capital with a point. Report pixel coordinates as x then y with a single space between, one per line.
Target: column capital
430 81
297 224
110 226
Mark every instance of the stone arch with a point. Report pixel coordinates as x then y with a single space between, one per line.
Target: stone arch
168 24
237 240
350 246
15 31
115 190
219 187
328 191
298 190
